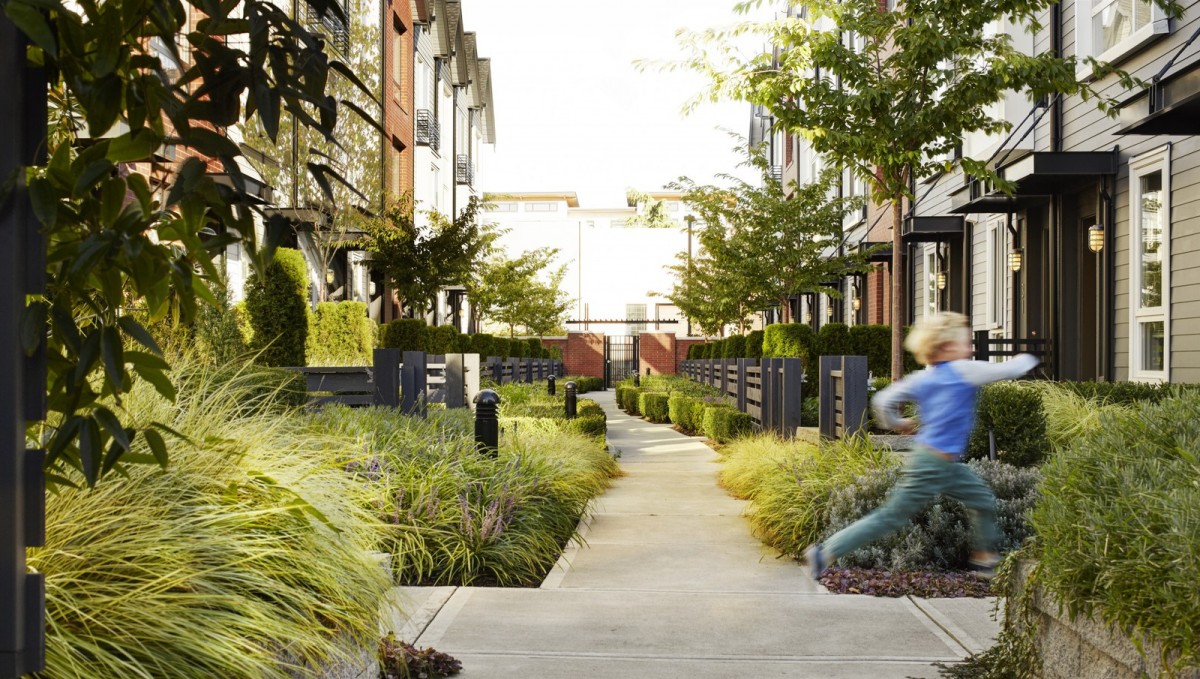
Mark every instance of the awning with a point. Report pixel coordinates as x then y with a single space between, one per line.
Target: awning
1037 177
883 254
1169 106
926 229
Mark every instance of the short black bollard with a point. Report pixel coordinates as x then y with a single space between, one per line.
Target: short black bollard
487 422
550 385
570 400
637 380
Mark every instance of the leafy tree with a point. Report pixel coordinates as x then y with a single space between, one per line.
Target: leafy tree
770 245
348 204
652 212
511 292
892 103
114 239
419 262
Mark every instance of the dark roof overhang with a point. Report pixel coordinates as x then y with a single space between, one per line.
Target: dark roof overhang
931 229
882 254
1168 106
1037 176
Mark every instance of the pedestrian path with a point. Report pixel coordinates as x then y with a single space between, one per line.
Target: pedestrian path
670 583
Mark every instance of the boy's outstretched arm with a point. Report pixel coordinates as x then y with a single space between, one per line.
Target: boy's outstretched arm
886 404
982 372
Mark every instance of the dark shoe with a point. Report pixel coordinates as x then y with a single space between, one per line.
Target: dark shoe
817 562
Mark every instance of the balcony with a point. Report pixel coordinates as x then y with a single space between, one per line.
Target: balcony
465 170
428 132
332 24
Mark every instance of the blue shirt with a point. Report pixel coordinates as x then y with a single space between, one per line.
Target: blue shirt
946 395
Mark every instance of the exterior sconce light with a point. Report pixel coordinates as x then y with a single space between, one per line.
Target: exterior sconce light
856 303
1096 237
329 276
808 316
1015 259
941 280
829 310
371 288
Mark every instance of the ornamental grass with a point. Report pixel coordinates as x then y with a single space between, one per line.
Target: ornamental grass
249 556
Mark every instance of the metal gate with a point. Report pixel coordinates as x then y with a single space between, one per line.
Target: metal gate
620 358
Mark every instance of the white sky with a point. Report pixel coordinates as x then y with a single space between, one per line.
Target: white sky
573 113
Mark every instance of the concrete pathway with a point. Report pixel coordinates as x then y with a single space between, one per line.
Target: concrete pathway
670 583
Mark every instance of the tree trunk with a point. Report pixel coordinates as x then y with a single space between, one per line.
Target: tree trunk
897 290
785 310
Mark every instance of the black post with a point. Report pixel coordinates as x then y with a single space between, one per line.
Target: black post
637 380
386 375
23 389
550 385
570 400
487 422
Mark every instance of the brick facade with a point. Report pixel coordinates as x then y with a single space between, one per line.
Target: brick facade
584 354
398 99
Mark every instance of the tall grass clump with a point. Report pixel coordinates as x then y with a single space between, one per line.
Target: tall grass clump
1119 524
458 517
746 464
1071 414
791 497
249 556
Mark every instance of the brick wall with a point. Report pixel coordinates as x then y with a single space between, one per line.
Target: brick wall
559 343
656 353
682 350
584 354
398 100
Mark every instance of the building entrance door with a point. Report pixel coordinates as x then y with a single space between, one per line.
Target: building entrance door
620 358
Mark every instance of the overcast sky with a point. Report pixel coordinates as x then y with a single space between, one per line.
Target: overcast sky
573 113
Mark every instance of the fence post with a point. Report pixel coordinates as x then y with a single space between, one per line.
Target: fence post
471 376
412 384
454 381
386 375
828 420
741 384
982 348
514 369
854 394
769 387
528 371
789 405
487 423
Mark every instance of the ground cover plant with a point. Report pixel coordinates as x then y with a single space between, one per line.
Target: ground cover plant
251 555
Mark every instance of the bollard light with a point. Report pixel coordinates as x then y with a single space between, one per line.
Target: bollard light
487 422
570 405
550 385
637 380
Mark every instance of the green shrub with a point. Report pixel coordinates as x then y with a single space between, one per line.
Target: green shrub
735 347
277 304
791 340
442 339
535 347
1118 535
723 424
583 383
874 342
699 407
219 336
810 412
482 344
653 404
1012 411
939 536
627 398
754 344
341 334
834 340
679 409
406 334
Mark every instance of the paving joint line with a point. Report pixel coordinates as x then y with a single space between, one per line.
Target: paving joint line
815 659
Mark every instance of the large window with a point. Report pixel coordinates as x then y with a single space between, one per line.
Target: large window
1149 266
541 207
1109 30
931 289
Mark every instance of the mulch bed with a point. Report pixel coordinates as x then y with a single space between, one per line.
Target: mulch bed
923 584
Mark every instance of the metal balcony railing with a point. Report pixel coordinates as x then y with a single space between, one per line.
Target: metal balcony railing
428 132
465 170
777 172
332 25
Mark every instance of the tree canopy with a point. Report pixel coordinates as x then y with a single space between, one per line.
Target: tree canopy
522 292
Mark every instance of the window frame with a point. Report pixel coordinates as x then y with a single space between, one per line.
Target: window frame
1157 160
995 282
1158 26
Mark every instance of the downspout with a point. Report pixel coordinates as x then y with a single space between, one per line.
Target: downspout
1054 333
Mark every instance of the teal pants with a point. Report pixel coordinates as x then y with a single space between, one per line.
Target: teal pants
926 475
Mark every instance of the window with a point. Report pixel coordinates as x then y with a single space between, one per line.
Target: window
541 207
1149 266
398 53
997 274
931 289
394 174
635 312
1110 30
504 207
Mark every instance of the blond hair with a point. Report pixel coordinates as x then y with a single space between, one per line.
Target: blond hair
928 335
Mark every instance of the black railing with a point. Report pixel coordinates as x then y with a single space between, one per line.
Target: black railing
428 132
988 347
465 170
333 25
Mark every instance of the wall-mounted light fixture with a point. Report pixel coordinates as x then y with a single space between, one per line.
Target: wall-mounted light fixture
808 316
941 280
371 288
829 309
329 276
1096 237
1015 259
856 303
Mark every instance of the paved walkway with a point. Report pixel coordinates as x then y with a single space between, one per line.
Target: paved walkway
670 583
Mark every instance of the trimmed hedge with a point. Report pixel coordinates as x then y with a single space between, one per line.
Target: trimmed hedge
340 333
583 384
735 347
654 405
679 409
754 344
406 334
1013 412
874 342
443 339
792 340
482 344
627 399
834 340
724 423
590 418
277 304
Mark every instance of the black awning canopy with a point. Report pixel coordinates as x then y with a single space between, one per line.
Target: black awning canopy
1037 177
883 254
924 229
1169 106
